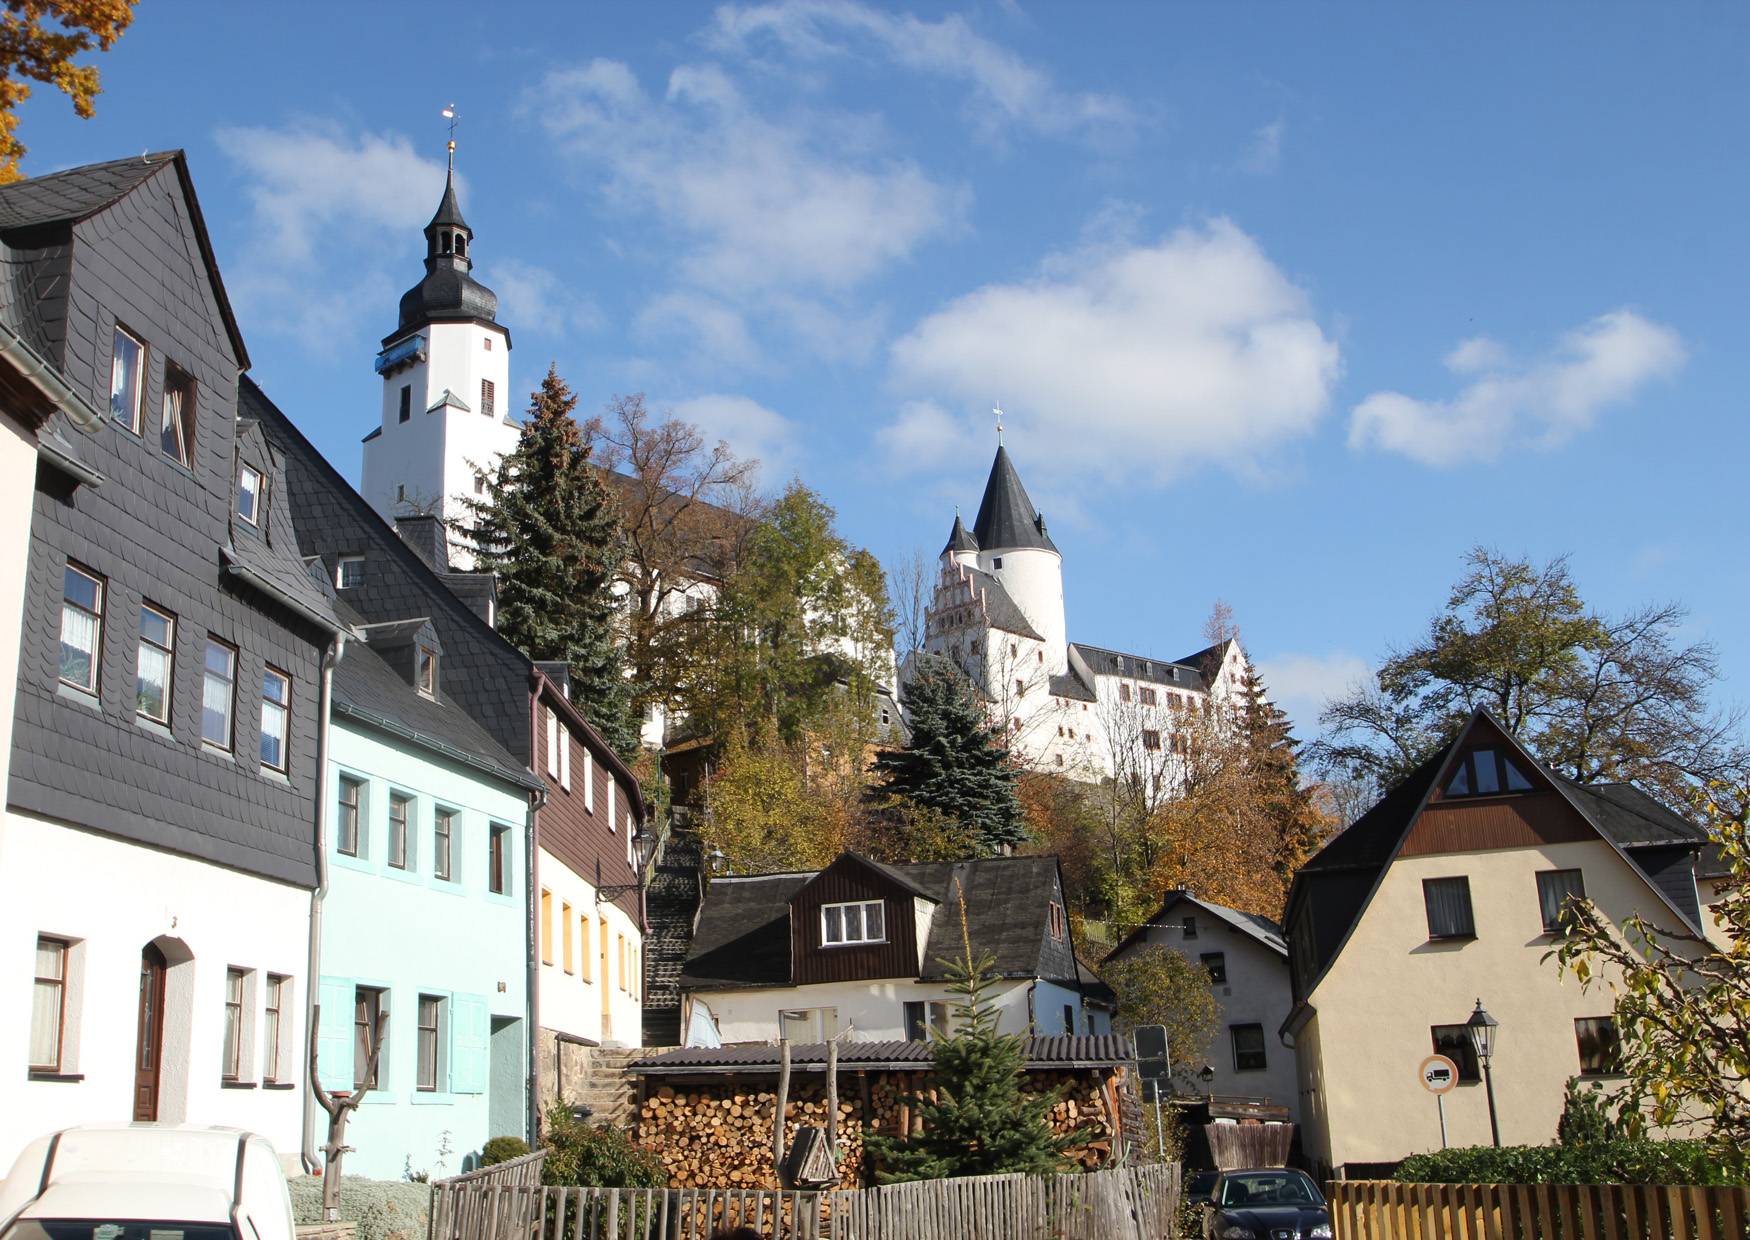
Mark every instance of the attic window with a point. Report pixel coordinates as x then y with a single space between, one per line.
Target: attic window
428 671
862 921
1056 919
251 494
176 428
1486 772
350 574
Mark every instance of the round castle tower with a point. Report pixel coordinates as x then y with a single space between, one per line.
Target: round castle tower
1008 541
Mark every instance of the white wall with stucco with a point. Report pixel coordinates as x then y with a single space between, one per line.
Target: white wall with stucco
1361 1098
599 1003
876 1009
111 899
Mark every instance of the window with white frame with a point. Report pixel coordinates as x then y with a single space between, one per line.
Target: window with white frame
552 741
276 705
350 572
588 780
251 494
565 764
218 693
611 787
400 814
81 627
428 672
154 670
858 921
127 369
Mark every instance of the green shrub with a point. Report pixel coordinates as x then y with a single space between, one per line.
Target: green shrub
383 1209
1586 1116
580 1154
502 1149
1618 1161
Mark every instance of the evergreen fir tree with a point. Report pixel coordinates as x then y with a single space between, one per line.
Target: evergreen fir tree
977 1119
547 528
1272 757
955 763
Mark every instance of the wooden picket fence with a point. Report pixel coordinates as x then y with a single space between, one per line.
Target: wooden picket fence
1386 1210
459 1204
1137 1203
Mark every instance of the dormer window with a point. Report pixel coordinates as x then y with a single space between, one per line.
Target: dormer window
427 669
1486 772
126 374
350 573
251 495
861 921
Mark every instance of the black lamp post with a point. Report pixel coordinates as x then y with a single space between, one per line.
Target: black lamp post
1482 1029
643 845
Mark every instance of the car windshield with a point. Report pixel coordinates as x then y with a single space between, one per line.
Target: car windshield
1268 1188
114 1229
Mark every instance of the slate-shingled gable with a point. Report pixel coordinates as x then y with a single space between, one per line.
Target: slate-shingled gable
125 243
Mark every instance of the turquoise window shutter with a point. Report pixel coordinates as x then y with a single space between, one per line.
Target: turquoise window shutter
334 1034
469 1031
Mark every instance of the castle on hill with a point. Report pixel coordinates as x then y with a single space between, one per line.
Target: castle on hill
1083 711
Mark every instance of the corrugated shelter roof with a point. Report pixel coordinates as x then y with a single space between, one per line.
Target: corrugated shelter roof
1085 1051
1007 519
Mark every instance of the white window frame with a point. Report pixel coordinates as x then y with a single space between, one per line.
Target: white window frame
552 740
445 815
276 1041
345 562
862 907
588 779
439 1030
258 494
612 826
409 826
565 764
242 1070
426 660
96 617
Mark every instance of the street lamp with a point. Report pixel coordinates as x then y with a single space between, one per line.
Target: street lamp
643 845
1482 1028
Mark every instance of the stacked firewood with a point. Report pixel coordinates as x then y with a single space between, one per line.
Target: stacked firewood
719 1135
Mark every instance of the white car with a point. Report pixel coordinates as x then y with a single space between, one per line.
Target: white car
146 1182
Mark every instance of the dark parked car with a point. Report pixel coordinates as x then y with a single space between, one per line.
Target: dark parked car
1265 1204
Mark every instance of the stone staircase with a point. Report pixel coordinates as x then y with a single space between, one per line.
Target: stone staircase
606 1088
671 904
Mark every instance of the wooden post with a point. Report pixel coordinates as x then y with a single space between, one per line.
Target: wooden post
339 1111
778 1116
832 1099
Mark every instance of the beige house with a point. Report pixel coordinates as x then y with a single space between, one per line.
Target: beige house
1447 892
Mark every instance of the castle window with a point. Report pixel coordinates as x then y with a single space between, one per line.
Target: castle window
1151 740
997 563
1020 688
487 341
406 401
1123 693
487 402
1041 655
1148 697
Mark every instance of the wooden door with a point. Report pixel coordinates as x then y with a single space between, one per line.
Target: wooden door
149 1038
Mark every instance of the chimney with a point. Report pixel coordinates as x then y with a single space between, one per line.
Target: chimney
429 539
559 672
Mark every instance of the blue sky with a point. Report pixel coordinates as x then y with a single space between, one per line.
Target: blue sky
1287 304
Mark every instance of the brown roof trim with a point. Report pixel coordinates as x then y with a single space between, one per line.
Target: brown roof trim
545 690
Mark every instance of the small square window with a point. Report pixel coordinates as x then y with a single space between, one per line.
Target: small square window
1216 963
349 574
487 341
251 494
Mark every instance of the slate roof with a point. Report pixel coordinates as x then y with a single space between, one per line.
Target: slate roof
1004 612
1253 926
80 193
1632 818
1183 674
1083 1051
368 690
1712 863
1006 517
959 538
269 559
743 932
449 210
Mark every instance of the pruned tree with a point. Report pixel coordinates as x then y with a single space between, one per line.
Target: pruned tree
39 40
340 1110
1596 697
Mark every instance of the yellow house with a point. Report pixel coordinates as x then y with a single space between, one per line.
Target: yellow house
1448 892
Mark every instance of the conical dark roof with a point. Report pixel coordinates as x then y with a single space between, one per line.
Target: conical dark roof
959 539
1006 517
449 211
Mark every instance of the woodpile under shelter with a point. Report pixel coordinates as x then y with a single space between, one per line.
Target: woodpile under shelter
709 1113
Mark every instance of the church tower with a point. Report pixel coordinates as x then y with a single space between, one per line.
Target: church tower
1011 545
446 379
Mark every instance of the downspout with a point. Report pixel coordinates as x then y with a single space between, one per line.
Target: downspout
531 940
312 971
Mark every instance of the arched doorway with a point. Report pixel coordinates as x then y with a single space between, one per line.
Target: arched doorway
149 1032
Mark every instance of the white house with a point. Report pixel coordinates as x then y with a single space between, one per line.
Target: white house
858 948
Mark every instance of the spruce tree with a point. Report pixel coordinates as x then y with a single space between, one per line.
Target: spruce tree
1272 758
977 1120
954 762
547 528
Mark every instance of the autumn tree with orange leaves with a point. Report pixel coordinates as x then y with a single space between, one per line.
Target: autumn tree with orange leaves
38 41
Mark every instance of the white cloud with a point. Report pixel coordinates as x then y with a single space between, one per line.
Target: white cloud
309 178
1265 153
762 203
1126 360
1301 684
1005 88
748 427
1603 363
717 330
534 299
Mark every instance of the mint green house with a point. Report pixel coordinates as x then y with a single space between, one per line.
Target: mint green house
425 917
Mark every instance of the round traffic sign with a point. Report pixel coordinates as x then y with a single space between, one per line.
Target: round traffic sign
1438 1074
